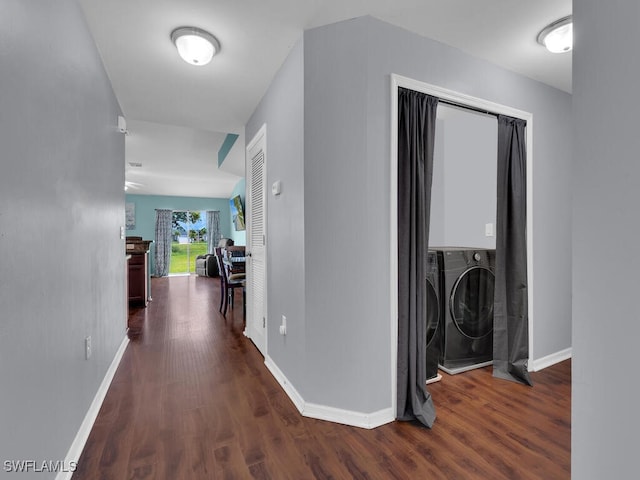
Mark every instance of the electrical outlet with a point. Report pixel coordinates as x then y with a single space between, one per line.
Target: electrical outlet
87 347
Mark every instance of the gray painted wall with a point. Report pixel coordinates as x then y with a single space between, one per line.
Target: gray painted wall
347 144
344 234
606 73
436 219
466 166
282 110
61 208
339 351
394 50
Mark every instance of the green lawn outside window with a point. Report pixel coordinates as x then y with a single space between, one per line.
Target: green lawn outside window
179 256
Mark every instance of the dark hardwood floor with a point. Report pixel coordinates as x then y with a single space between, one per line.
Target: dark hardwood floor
192 399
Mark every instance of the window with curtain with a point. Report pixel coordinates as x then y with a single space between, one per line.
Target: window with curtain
162 254
213 230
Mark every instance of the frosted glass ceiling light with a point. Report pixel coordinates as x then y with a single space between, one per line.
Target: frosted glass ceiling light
558 37
195 46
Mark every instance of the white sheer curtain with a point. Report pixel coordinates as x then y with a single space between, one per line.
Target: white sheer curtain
162 254
213 230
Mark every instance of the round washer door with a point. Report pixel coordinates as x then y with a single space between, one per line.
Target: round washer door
433 312
471 302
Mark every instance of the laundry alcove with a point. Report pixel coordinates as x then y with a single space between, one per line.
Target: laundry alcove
414 107
462 241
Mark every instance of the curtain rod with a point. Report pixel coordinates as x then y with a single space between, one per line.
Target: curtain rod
464 106
467 107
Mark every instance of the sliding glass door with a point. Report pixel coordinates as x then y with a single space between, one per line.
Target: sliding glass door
189 240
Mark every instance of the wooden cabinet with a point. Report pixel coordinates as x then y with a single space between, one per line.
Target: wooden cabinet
138 271
138 279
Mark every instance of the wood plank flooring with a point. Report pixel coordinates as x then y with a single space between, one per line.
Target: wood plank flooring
192 399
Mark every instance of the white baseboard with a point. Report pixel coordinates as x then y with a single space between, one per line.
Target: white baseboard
289 389
544 362
331 414
466 368
348 417
73 455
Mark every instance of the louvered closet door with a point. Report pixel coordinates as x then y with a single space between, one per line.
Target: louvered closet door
256 242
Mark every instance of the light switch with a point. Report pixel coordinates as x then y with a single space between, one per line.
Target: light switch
488 230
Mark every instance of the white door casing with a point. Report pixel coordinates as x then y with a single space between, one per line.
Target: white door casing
256 265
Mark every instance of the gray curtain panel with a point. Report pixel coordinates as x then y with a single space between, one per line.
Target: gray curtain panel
416 135
511 322
163 242
213 230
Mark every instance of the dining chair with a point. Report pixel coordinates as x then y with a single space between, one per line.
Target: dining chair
228 284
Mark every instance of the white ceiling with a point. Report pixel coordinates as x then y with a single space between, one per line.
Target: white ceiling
175 160
178 114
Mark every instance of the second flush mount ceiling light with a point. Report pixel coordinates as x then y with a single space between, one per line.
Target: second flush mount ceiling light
558 36
195 46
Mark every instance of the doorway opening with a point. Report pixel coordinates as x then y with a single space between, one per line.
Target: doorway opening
189 239
467 102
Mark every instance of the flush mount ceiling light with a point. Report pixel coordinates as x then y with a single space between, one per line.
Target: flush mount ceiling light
195 46
558 36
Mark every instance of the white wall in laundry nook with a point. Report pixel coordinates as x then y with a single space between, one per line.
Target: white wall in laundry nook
463 198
